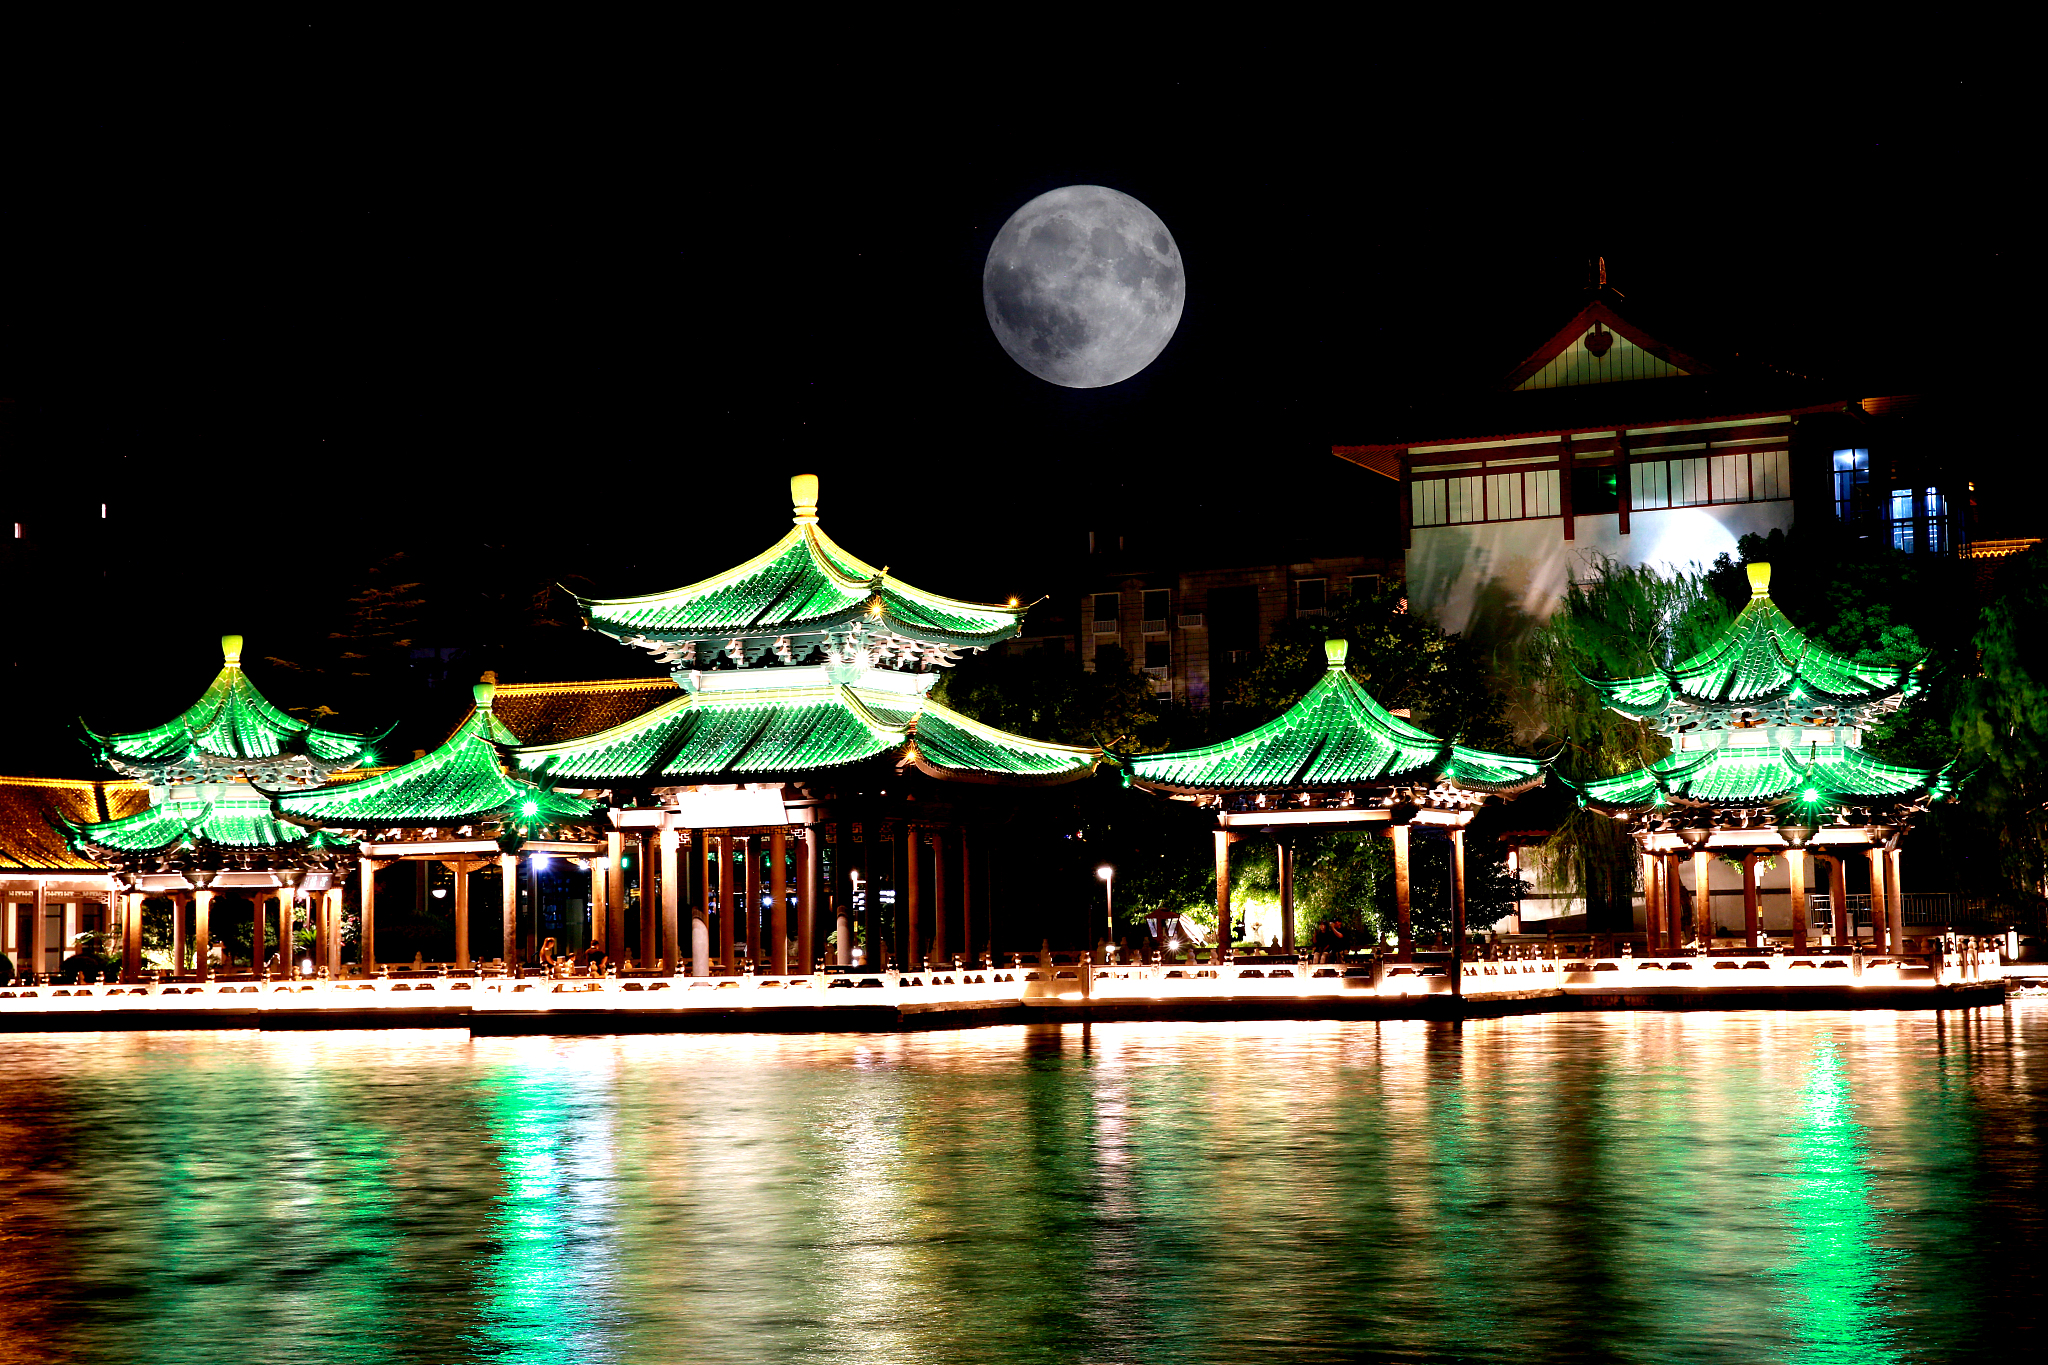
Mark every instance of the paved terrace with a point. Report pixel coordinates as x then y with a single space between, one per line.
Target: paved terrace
1967 974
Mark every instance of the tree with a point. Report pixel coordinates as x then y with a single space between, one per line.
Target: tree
1400 657
1620 622
1051 696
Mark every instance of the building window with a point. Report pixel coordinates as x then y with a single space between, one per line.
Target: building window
1156 603
1937 523
1596 489
1852 482
1158 654
1427 505
1365 584
1700 480
1902 519
1485 497
1649 486
1105 613
1312 596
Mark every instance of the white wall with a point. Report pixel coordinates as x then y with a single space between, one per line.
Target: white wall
1461 576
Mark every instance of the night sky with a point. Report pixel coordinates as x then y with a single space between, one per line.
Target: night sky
529 331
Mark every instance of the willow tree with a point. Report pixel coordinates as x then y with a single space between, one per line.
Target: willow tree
1617 622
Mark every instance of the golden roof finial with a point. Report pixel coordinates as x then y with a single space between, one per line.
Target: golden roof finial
803 496
1759 580
231 649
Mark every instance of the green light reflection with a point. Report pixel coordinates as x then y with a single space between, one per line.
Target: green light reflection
1836 1272
549 1292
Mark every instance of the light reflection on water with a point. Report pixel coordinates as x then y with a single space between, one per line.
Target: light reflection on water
1741 1187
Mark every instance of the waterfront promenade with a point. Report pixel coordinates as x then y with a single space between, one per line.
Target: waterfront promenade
1025 991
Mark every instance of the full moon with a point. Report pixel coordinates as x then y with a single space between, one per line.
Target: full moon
1084 286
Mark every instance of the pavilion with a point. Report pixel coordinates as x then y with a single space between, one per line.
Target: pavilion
1767 759
802 741
1337 759
460 806
208 828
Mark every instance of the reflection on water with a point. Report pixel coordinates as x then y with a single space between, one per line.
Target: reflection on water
1743 1187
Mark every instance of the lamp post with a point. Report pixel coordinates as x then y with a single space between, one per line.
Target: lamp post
1108 875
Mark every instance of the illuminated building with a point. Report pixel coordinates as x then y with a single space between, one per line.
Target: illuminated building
207 829
1337 759
1606 442
1767 762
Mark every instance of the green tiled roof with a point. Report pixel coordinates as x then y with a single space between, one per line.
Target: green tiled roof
768 732
462 781
229 824
1336 736
804 589
1761 661
231 728
1822 777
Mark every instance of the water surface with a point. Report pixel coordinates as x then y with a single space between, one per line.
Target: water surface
1643 1187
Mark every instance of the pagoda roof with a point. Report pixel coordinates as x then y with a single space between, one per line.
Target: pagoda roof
1337 736
37 813
223 825
805 725
232 729
548 712
804 585
464 781
1762 661
1827 777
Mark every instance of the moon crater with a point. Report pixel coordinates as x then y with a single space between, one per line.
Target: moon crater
1083 286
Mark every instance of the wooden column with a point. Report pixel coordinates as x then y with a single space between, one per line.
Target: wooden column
39 932
808 851
1702 900
202 929
671 901
842 894
750 900
967 902
1795 867
705 903
1838 901
1283 855
367 898
697 907
1624 490
939 903
1895 893
1751 912
1222 896
508 908
1879 902
728 904
131 936
460 867
179 900
1457 912
778 888
331 945
256 935
1653 909
1564 486
1404 938
913 889
615 910
650 899
600 900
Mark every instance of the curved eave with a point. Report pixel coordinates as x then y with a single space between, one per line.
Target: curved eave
1051 764
863 586
417 783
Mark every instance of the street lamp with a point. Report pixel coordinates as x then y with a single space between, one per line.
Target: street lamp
1108 875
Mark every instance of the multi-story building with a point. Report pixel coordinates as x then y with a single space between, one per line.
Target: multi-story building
1193 629
1607 442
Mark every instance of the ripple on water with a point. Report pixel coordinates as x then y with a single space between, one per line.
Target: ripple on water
1738 1187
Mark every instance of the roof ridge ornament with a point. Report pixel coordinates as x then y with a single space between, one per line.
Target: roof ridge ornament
231 650
1759 579
803 498
485 690
1336 649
